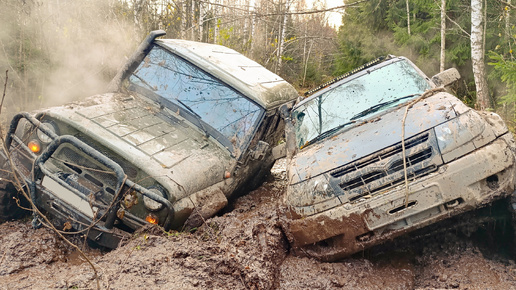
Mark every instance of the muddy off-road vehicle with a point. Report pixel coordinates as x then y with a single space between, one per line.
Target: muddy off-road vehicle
185 126
385 150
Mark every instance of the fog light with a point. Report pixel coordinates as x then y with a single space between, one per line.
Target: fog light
34 146
152 218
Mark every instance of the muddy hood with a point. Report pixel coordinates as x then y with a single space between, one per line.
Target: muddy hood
376 133
163 147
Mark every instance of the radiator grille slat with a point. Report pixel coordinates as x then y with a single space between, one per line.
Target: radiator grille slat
384 169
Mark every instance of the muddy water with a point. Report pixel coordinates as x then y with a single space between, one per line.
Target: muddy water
245 249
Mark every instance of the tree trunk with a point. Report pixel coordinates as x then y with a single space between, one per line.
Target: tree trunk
281 41
136 17
477 54
216 14
443 35
253 29
408 16
183 20
508 28
508 20
201 22
191 26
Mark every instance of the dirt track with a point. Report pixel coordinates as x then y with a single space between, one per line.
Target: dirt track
246 249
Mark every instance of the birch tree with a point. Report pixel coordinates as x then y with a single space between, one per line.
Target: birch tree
443 35
477 54
408 16
281 40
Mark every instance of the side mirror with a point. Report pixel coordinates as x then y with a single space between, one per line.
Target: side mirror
279 151
446 77
260 150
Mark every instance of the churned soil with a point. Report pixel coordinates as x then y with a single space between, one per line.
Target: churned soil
244 248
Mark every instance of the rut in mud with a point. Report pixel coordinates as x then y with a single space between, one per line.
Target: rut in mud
245 249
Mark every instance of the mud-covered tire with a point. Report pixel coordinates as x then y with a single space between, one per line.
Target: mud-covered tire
9 208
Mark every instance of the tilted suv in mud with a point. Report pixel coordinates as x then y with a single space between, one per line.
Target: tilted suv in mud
186 125
385 150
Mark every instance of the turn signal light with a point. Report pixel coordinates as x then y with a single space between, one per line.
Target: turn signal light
152 218
34 146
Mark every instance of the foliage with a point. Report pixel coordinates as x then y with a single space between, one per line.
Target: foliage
379 27
506 70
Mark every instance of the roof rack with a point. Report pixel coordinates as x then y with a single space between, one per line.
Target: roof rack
362 67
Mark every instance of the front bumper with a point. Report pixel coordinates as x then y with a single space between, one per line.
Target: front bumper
470 182
69 203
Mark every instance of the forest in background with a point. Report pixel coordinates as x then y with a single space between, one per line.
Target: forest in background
55 51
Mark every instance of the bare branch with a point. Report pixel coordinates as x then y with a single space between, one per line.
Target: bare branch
303 12
5 88
507 4
456 24
452 21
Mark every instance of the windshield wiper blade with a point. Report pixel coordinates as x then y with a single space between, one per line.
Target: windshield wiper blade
188 108
199 118
379 106
328 133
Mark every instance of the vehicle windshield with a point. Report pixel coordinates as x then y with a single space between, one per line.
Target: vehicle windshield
358 96
211 104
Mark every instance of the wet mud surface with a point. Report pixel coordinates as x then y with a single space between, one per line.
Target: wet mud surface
245 248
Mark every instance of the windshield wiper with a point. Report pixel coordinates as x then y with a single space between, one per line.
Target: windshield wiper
199 118
379 106
328 133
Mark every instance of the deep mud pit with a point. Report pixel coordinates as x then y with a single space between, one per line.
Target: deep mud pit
246 249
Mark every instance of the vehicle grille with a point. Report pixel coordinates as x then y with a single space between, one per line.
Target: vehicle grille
84 174
384 169
88 175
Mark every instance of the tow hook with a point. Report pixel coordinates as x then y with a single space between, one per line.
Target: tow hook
451 204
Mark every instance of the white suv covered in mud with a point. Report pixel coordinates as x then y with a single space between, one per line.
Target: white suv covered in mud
186 126
385 150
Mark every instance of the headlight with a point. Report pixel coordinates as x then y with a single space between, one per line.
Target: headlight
151 204
461 135
311 196
45 139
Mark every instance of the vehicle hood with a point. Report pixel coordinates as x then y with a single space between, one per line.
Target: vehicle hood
375 133
168 149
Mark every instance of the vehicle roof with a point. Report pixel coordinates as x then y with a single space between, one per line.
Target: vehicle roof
243 74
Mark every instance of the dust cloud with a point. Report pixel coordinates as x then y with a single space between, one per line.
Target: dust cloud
58 51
